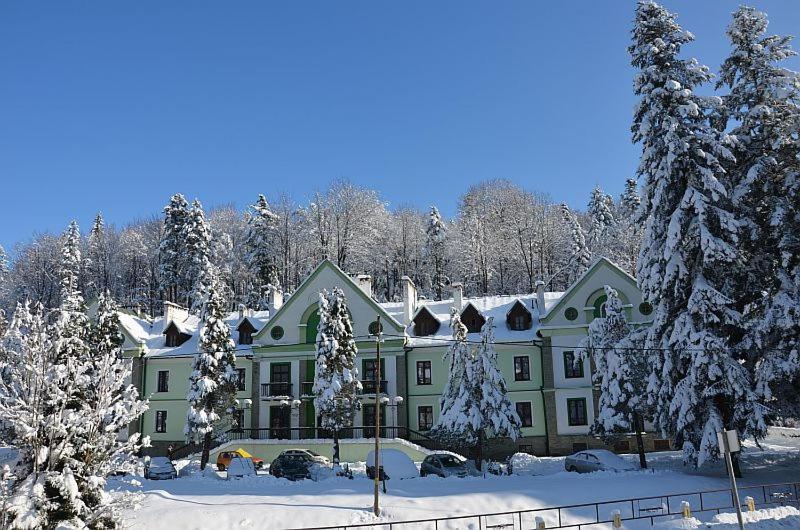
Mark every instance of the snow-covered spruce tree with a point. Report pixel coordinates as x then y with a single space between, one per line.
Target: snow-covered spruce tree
5 282
580 256
171 260
212 382
260 247
197 252
697 387
764 101
98 260
620 371
601 230
336 383
628 233
435 251
475 398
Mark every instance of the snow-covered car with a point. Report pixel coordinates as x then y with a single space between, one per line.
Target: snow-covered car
394 464
444 465
597 460
241 467
160 468
225 458
316 457
292 465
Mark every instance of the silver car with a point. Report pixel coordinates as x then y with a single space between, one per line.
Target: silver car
443 465
160 468
597 460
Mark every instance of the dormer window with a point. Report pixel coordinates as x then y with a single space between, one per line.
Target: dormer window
518 317
425 323
472 318
174 336
246 330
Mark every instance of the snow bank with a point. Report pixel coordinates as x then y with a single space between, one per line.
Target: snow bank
782 518
525 464
395 463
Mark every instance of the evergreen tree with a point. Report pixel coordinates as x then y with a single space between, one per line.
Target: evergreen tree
200 273
171 249
5 280
620 371
449 426
696 386
212 382
336 383
601 236
580 255
628 234
98 266
435 241
763 101
260 245
629 201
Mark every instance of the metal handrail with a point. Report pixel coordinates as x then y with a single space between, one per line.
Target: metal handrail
276 389
516 517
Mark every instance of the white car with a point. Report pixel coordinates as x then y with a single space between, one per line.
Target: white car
597 460
160 468
394 464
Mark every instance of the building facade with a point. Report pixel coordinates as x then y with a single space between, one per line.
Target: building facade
537 336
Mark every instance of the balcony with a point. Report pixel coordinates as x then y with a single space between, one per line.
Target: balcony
307 388
270 390
369 386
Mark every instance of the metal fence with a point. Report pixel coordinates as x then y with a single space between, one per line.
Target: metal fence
640 512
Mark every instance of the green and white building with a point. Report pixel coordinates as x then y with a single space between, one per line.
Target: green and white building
537 334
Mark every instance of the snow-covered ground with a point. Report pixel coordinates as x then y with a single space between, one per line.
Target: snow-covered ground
209 501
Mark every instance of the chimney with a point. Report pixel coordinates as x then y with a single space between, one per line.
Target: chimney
540 296
275 300
173 312
458 295
364 282
409 291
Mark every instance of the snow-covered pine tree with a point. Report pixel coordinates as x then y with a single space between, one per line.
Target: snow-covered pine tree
200 273
98 264
5 282
435 251
212 382
601 230
697 386
620 371
111 404
260 246
580 256
171 257
764 101
336 383
628 234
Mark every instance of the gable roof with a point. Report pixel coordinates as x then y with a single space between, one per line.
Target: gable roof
601 262
296 297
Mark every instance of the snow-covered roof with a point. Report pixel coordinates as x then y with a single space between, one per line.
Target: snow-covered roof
151 332
488 306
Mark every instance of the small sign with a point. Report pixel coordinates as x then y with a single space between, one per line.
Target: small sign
733 441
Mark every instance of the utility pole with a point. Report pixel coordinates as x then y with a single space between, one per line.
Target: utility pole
376 508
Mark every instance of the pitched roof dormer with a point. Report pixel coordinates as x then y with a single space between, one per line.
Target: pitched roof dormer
425 323
519 318
175 336
246 330
472 318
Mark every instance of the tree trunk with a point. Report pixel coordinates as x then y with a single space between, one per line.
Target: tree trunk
206 450
335 448
479 452
639 424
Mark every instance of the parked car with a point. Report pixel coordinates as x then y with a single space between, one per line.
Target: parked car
444 465
316 457
292 465
393 464
160 468
597 460
241 467
224 459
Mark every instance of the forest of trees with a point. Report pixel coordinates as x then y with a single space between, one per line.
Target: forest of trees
502 239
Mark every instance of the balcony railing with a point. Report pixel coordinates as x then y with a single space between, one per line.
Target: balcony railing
307 388
369 386
276 389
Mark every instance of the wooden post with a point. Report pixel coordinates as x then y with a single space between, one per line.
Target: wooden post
376 508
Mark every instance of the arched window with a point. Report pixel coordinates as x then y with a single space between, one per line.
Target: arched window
311 327
600 306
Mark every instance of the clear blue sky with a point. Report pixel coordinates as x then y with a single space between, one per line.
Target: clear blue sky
114 106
